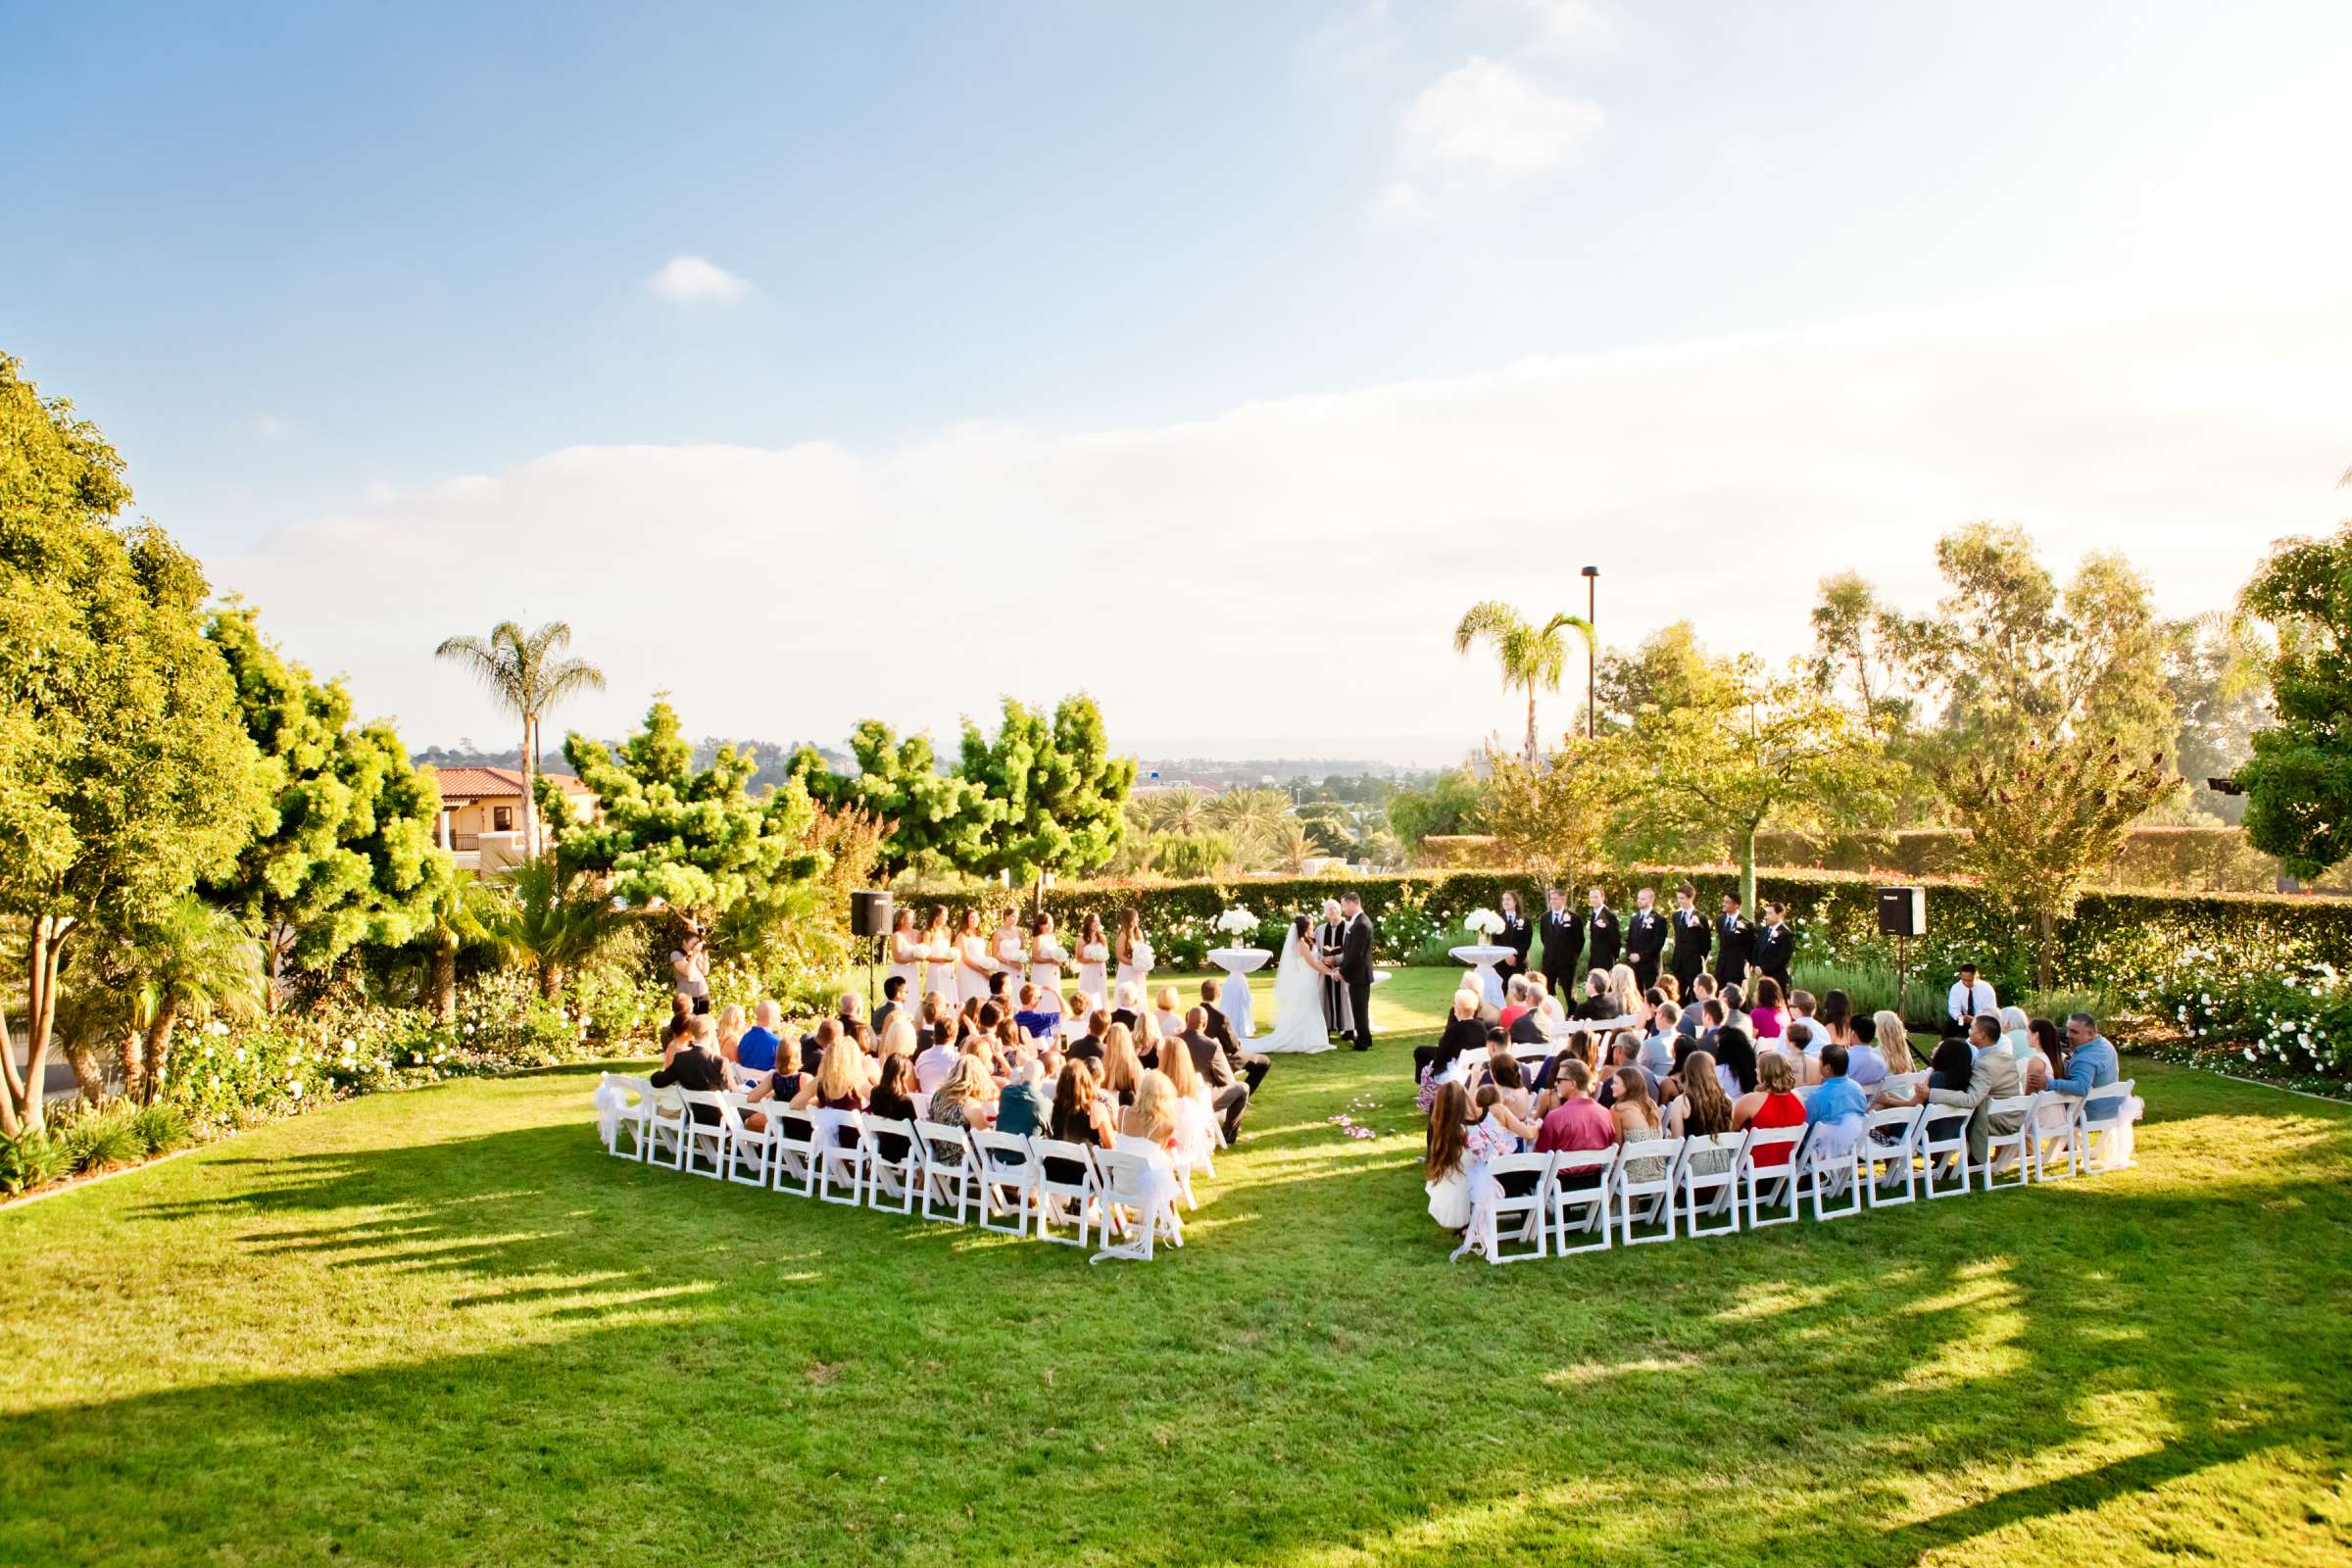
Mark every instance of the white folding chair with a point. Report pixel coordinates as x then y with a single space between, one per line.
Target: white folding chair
1074 1185
1899 1083
2057 1125
1706 1180
706 1140
1889 1145
1943 1148
1648 1200
1496 1211
1767 1181
792 1148
1008 1180
2008 1151
1835 1172
748 1151
891 1183
838 1162
628 1103
2105 1121
1582 1183
950 1170
665 1123
1138 1201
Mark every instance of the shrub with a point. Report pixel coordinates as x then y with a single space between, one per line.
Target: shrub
96 1139
162 1128
29 1161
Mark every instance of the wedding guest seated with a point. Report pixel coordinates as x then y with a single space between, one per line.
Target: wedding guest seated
679 1030
1773 1103
2045 1051
963 1097
1948 1068
1153 1116
1252 1065
2017 1029
1699 1108
1121 1071
1624 1055
1657 1049
1735 1060
897 1040
755 1052
839 1082
1799 1046
697 1064
1993 1075
1638 1120
1837 1105
1802 1004
1575 1122
1597 1006
1509 1079
1034 1020
1891 1042
1025 1106
1695 1014
1088 1047
936 1061
1449 1153
894 1002
1163 1006
1227 1091
1127 1004
1462 1032
1510 1131
890 1101
1516 1004
730 1031
1768 1018
1074 1017
1078 1117
848 1020
2090 1060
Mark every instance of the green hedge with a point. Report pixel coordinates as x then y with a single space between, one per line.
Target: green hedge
2124 944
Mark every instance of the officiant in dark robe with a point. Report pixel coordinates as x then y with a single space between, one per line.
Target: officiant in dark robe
1338 1017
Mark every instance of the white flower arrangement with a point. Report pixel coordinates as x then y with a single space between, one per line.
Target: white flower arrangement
1237 923
1485 923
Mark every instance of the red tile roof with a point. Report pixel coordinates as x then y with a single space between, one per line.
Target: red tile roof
484 783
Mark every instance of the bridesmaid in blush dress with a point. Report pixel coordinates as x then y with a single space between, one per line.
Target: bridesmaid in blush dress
1135 953
938 958
905 953
1094 955
974 965
1045 956
1009 950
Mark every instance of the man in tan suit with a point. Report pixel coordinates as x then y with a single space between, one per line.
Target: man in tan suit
1993 1077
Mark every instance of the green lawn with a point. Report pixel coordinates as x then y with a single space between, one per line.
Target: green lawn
443 1328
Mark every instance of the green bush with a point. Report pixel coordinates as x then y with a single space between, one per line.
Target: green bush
161 1127
95 1140
29 1161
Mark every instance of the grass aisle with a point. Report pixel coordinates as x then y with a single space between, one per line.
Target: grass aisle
442 1328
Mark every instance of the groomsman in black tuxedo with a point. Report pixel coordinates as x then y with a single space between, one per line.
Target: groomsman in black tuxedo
1776 944
1691 937
1734 943
1602 934
1517 933
1563 944
1644 938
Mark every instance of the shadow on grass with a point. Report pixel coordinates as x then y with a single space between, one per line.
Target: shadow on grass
681 1368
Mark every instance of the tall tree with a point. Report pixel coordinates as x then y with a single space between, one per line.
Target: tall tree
2298 782
1760 748
2218 675
2043 815
462 910
126 772
527 674
933 817
692 838
551 919
1531 657
1053 795
195 961
349 851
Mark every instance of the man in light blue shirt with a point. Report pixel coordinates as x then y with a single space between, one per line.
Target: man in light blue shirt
1863 1064
2091 1062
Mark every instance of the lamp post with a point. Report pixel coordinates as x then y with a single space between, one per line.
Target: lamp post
1592 652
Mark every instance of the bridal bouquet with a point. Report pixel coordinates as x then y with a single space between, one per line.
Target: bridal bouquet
1486 922
1237 923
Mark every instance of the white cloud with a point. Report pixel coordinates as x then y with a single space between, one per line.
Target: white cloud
697 281
1401 202
1489 113
1717 481
273 427
1578 26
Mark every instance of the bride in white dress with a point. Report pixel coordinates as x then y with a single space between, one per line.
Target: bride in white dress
1298 996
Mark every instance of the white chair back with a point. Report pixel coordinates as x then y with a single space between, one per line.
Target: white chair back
1507 1205
1008 1180
1067 1188
1581 1189
1644 1193
1706 1182
1889 1149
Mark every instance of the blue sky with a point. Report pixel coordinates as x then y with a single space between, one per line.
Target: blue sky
1025 316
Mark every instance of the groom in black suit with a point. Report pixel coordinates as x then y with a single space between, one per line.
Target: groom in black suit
1355 964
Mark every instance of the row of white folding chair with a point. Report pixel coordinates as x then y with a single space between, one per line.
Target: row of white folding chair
1712 1184
1115 1192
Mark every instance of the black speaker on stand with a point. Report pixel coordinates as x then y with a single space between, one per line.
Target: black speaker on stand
1902 915
871 918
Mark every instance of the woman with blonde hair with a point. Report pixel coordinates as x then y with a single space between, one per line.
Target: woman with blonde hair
1165 1013
1121 1070
898 1037
1893 1041
965 1096
839 1082
730 1032
1153 1116
1625 993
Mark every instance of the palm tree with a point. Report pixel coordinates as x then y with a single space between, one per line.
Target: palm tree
1177 810
196 961
552 922
1253 817
1531 657
464 911
522 670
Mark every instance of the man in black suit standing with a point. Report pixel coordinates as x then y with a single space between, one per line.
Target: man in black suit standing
1734 943
1355 964
1692 938
1776 944
1644 938
1603 936
1563 945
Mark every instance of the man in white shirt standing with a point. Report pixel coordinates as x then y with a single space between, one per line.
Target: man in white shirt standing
1970 996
